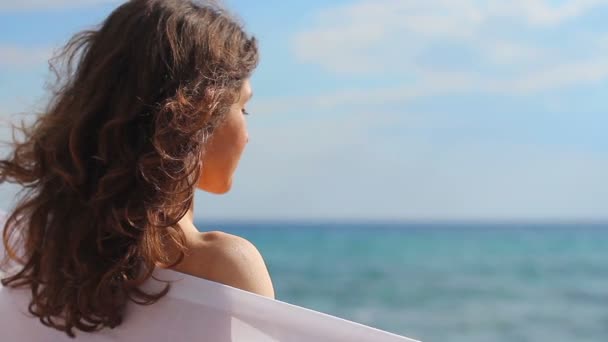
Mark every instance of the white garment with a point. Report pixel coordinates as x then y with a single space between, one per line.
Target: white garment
194 310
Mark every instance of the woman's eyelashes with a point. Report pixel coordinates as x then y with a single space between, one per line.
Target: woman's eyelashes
245 112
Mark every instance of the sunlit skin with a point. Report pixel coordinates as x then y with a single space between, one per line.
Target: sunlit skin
226 146
218 256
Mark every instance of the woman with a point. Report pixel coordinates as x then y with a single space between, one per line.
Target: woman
148 107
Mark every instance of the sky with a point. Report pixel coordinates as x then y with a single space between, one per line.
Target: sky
390 109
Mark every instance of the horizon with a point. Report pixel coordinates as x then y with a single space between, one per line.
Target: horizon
388 110
400 222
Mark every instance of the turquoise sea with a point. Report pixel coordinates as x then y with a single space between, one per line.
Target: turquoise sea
444 282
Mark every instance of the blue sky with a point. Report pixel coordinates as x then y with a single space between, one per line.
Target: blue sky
392 109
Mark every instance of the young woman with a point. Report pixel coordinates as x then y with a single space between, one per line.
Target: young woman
148 107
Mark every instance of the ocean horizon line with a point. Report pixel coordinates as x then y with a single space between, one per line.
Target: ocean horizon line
406 222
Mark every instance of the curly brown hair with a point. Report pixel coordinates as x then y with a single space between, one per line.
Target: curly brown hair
110 167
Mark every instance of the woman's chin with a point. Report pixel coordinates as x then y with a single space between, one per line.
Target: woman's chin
218 188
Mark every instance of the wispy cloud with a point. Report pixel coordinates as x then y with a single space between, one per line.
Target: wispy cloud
545 13
494 46
567 75
25 5
19 56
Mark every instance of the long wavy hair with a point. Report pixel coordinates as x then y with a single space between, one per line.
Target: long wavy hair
110 167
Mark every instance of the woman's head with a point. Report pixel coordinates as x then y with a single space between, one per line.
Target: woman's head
147 107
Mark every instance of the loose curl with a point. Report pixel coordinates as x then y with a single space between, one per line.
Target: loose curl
110 167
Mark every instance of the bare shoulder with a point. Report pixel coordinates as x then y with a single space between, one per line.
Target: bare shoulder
234 261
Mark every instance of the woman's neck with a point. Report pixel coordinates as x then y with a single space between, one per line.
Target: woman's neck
187 224
192 239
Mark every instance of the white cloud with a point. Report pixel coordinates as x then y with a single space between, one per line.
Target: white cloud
24 5
543 13
499 39
559 76
505 52
445 83
18 56
343 38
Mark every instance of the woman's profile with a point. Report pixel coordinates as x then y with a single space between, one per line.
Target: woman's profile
147 108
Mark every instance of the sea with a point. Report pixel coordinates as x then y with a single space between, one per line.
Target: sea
456 282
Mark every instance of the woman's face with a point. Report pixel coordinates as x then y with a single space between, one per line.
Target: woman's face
225 147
